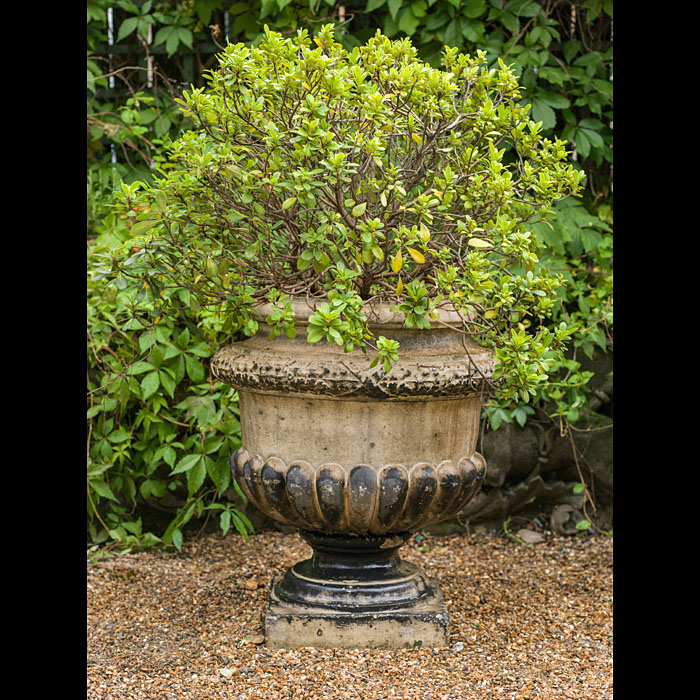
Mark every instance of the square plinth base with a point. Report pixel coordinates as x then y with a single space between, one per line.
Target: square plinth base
292 627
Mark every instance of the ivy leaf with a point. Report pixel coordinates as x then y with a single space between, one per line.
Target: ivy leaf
394 7
225 523
195 476
167 382
126 27
219 473
185 464
453 33
169 456
195 369
583 145
150 384
474 8
408 22
554 99
542 112
510 22
102 489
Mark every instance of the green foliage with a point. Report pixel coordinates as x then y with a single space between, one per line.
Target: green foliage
561 54
160 432
368 174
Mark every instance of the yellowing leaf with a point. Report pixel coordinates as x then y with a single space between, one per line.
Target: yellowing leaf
399 287
397 262
415 254
359 210
417 138
491 313
479 243
424 233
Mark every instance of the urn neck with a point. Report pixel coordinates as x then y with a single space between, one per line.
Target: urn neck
354 557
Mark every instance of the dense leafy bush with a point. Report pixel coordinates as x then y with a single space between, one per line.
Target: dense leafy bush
355 176
160 431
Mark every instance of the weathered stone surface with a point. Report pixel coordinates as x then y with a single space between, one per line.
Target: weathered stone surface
354 431
435 363
290 626
356 457
496 504
331 444
564 518
357 499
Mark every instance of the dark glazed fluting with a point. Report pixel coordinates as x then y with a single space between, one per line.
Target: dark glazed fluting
360 499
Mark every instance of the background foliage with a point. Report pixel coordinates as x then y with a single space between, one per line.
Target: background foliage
159 430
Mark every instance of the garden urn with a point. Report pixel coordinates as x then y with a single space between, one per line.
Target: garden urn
357 458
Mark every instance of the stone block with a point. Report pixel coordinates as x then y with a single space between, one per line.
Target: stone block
425 623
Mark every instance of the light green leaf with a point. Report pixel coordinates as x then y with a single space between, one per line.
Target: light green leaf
408 22
126 27
142 226
225 523
394 7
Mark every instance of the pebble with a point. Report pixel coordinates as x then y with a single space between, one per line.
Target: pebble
526 623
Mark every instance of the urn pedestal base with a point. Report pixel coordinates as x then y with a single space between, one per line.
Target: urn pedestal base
290 626
355 592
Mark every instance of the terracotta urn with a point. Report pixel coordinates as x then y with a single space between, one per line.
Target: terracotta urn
357 458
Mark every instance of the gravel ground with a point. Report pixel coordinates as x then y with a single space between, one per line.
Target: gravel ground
526 622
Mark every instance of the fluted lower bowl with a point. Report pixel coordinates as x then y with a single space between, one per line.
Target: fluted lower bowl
360 499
